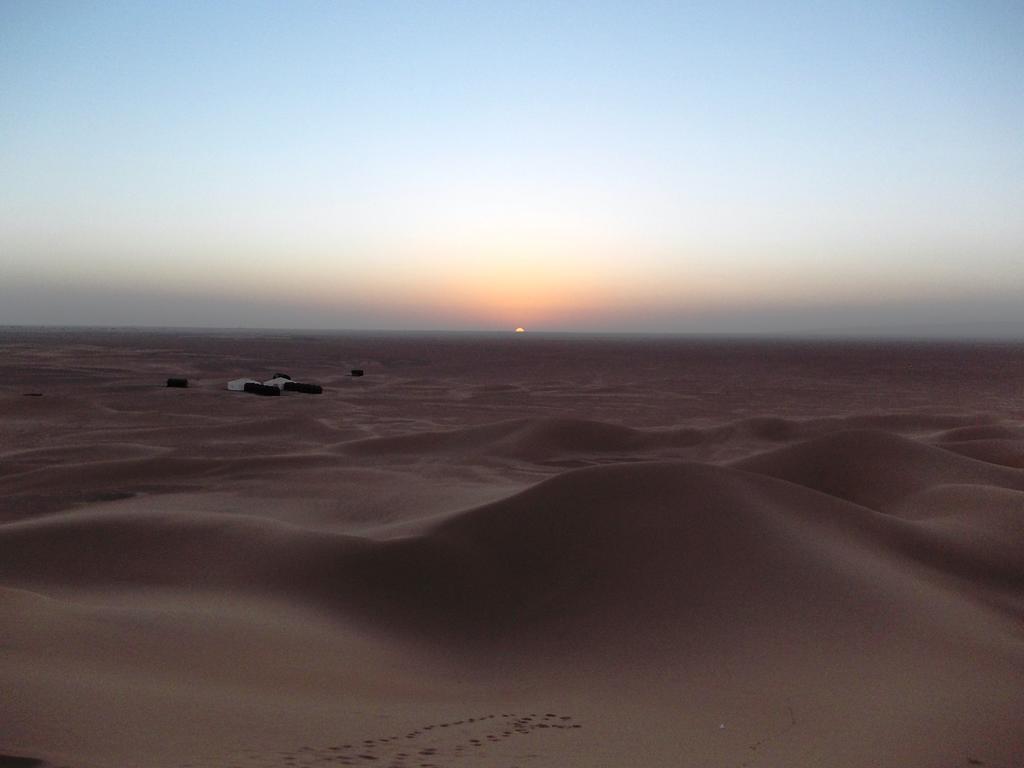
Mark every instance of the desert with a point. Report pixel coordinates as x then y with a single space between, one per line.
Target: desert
510 550
511 384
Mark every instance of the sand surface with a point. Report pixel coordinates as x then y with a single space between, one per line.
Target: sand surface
510 551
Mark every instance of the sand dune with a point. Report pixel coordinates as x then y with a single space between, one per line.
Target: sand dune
874 468
981 432
575 552
544 439
1009 453
494 554
577 548
535 440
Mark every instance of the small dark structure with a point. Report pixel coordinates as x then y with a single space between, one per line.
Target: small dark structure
280 376
31 394
357 371
177 382
256 388
15 761
298 386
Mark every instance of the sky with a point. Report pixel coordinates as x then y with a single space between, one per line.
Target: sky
681 167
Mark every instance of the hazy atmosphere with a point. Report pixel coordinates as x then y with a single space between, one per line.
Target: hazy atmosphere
672 167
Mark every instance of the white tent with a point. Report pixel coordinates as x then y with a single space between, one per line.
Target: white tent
238 385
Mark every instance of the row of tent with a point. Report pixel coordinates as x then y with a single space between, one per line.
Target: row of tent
280 382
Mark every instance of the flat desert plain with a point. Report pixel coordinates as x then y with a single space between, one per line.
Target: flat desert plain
509 551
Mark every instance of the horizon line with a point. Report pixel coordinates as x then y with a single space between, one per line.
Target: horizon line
824 335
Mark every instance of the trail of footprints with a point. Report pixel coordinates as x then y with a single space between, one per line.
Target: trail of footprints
430 746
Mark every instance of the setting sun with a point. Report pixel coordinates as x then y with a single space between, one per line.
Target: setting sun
520 329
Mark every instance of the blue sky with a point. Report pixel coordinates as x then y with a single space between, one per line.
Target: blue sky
683 167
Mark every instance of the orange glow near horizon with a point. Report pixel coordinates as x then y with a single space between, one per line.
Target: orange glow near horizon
504 288
519 282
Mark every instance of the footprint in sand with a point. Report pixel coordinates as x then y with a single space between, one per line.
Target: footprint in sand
435 745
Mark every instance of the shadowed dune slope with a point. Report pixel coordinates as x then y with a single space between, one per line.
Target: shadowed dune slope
610 550
875 469
652 552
